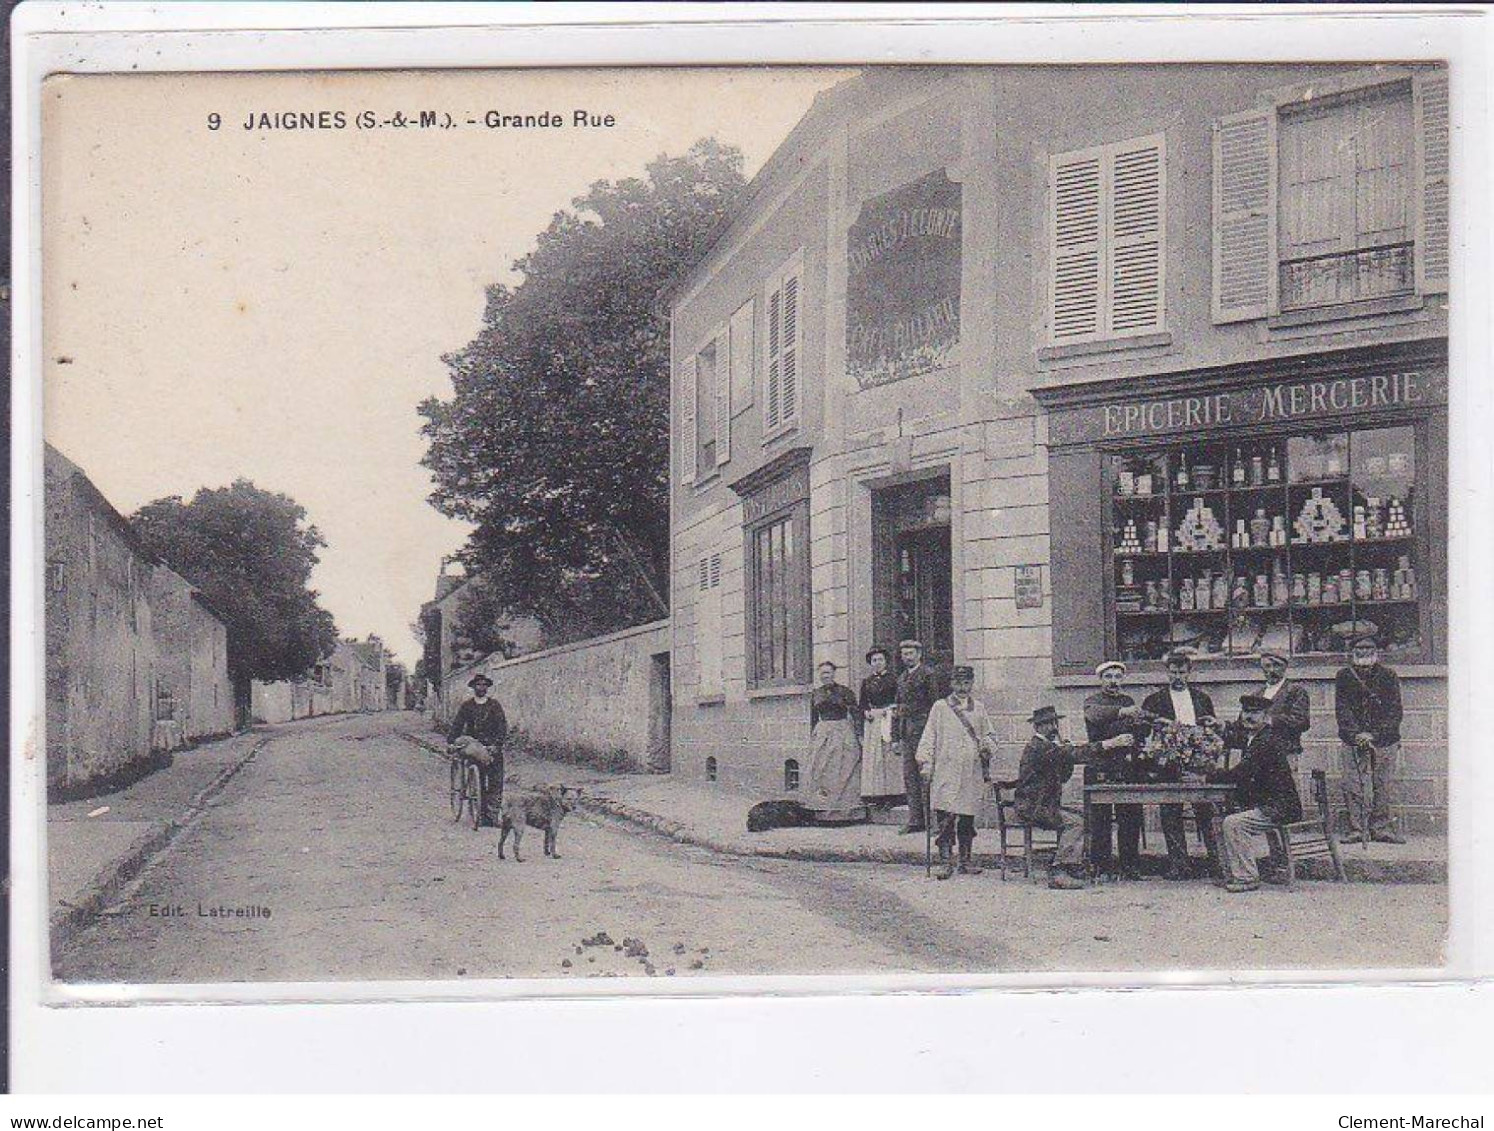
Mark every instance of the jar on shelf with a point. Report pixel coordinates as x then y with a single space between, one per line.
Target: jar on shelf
1185 595
1261 594
1126 483
1128 572
1260 528
1299 587
1220 596
1144 483
1240 596
1380 590
1202 593
1364 585
1330 589
1314 588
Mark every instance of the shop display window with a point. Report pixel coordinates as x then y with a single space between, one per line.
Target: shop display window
1293 542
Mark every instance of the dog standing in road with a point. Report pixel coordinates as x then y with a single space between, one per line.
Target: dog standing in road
538 807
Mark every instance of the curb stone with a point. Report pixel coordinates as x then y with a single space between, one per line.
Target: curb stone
68 918
1359 871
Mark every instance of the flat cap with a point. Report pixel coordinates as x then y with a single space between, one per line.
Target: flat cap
1110 665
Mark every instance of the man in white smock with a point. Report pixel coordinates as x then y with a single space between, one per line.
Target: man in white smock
954 757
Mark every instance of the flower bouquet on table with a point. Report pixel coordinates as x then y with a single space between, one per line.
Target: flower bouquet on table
1194 751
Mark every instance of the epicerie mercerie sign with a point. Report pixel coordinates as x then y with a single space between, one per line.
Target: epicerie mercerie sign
1251 407
903 282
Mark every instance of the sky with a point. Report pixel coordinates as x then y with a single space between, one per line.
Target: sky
273 304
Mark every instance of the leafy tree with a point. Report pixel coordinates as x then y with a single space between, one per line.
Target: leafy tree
481 618
555 444
251 554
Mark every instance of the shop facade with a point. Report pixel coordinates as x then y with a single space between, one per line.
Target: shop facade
1044 367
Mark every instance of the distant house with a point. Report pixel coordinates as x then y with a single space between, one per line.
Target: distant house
129 644
193 695
446 646
353 677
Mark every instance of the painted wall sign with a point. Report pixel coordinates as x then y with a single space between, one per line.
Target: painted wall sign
1249 407
1029 585
903 282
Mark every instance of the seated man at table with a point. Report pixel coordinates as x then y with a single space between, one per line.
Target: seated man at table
1184 704
1048 762
1265 790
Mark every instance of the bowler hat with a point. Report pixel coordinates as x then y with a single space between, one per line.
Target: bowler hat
1367 640
962 671
1254 702
1045 715
479 678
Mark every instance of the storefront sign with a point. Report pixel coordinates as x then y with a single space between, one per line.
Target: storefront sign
1029 586
903 282
1250 407
776 495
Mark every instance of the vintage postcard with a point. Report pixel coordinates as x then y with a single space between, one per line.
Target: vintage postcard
673 523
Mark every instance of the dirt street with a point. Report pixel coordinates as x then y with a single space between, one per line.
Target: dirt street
337 845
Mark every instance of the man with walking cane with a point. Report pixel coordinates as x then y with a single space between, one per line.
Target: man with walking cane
1367 703
954 758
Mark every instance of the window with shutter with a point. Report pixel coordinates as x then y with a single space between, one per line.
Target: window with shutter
1332 200
782 349
1107 241
705 401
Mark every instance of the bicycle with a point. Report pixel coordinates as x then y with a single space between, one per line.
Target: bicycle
466 790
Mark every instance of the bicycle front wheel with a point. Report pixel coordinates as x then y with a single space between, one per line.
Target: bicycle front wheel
474 795
457 797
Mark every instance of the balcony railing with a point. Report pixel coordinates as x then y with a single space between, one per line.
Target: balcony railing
1330 280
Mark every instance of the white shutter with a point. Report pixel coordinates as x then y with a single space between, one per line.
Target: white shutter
1075 240
792 341
1431 106
741 334
773 368
1137 245
723 396
1244 215
709 652
688 440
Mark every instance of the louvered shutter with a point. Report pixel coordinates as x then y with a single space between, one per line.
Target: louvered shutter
1431 100
1244 215
723 396
688 439
1075 244
708 626
1137 239
789 407
773 379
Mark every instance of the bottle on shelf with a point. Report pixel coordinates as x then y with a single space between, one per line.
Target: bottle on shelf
1257 471
1185 595
1220 596
1273 469
1240 596
1237 470
1281 588
1162 537
1278 531
1260 527
1330 589
1128 572
1261 595
1182 479
1203 593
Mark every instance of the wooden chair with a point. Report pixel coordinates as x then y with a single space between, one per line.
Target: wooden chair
1009 825
1308 839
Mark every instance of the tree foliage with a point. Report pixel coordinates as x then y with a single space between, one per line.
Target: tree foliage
555 444
251 554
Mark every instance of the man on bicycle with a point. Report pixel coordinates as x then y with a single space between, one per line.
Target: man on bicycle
478 732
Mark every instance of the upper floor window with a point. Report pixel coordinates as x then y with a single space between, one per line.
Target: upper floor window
782 347
1107 241
1338 200
705 415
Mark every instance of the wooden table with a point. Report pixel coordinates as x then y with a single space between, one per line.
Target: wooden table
1157 793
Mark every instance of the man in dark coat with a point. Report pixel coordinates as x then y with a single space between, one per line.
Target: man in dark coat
1179 702
1048 762
1367 703
1265 789
917 692
1290 708
479 731
1107 713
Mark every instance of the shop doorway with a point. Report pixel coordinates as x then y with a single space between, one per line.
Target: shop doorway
912 568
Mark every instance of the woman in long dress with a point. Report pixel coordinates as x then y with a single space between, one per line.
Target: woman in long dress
833 791
881 765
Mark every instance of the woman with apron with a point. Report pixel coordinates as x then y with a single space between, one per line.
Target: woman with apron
833 792
881 764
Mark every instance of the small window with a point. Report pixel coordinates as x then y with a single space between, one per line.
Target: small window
710 769
791 775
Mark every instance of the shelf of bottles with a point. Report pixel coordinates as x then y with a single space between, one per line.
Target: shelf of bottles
1292 543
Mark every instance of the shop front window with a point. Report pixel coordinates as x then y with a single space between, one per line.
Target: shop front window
1295 543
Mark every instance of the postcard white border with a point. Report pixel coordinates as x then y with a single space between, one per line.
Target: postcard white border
121 1049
